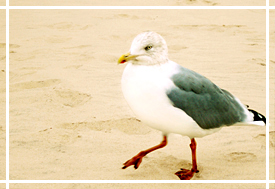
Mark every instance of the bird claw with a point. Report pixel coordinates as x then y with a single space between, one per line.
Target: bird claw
136 161
185 174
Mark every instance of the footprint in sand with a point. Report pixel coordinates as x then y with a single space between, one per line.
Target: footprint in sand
71 98
3 45
262 138
127 125
24 71
57 39
33 84
61 25
67 26
206 2
272 138
241 156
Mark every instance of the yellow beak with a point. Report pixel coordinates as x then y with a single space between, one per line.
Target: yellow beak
125 57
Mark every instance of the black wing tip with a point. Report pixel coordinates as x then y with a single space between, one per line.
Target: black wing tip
258 116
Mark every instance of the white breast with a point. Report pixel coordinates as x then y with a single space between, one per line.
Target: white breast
144 88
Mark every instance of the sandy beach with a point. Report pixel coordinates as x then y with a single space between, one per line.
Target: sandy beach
2 3
2 94
137 186
140 3
68 117
272 92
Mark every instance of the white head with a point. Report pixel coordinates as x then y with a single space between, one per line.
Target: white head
148 48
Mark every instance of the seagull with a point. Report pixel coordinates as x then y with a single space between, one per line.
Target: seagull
173 99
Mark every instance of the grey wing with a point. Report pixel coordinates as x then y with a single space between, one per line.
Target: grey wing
208 105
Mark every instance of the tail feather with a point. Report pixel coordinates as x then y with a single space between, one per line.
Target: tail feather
257 116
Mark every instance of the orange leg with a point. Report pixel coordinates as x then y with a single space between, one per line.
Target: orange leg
185 174
136 160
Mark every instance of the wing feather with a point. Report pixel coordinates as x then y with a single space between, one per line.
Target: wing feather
206 103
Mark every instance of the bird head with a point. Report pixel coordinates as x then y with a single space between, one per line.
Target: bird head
148 48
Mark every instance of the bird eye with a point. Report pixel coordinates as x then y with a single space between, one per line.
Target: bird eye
148 47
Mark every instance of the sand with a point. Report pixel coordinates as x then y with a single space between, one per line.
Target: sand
2 94
140 3
2 3
68 117
272 92
137 186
